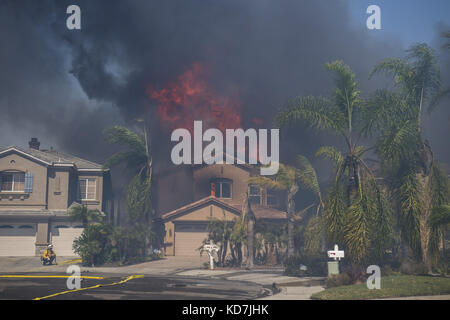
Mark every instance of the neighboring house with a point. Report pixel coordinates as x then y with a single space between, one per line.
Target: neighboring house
188 197
36 189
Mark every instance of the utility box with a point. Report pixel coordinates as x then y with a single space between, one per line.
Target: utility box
333 268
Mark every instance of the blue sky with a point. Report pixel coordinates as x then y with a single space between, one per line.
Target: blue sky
408 20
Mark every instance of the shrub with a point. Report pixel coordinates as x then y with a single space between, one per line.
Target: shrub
342 279
355 272
316 265
93 245
386 270
128 245
413 268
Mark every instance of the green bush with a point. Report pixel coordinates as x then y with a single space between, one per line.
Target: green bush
93 245
99 244
413 268
342 279
129 245
316 265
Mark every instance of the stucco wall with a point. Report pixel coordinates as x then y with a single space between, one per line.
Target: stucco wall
20 200
201 214
58 189
202 177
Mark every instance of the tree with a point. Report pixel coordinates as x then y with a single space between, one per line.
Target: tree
249 219
286 179
313 233
407 158
138 160
355 204
80 212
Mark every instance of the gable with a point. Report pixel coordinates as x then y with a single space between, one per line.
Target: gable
15 154
203 210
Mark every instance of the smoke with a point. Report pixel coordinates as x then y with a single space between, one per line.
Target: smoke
67 86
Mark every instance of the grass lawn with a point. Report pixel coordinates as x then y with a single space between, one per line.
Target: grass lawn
391 286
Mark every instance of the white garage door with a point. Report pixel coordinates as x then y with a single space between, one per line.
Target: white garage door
63 236
188 238
17 240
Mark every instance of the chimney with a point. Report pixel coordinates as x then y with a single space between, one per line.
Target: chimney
34 143
213 189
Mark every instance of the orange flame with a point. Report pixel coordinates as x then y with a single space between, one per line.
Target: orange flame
190 98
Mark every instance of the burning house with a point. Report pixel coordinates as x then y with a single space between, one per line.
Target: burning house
189 197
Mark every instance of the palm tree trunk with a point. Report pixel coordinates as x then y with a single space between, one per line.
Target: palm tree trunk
290 219
425 230
250 238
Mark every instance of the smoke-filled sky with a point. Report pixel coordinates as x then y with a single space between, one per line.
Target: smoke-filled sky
66 86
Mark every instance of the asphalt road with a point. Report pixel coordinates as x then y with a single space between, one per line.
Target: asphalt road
147 287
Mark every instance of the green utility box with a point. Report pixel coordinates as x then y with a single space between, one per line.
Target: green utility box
333 268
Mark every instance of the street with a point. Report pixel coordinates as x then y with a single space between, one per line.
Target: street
147 287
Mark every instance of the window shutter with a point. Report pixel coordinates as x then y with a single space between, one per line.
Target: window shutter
28 182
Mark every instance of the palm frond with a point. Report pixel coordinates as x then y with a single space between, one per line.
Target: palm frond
335 211
398 68
398 142
125 137
346 93
331 153
307 175
382 110
356 232
408 195
316 112
265 182
440 216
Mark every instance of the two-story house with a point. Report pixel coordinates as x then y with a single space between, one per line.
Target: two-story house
188 197
37 188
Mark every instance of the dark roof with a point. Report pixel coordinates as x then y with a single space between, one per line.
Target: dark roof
198 204
260 211
53 157
263 212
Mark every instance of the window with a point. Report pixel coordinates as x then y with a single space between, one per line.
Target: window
12 181
222 189
87 188
25 227
272 198
254 194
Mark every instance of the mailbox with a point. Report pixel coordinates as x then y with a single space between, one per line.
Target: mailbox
336 254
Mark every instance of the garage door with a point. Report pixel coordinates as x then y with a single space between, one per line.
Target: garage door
17 240
188 238
63 236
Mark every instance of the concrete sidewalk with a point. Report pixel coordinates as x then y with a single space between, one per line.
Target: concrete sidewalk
291 288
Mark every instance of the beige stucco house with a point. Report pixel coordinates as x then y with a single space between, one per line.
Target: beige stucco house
189 197
36 189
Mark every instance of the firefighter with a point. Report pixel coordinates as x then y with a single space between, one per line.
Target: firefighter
48 256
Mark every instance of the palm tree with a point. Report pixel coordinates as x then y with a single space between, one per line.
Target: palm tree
287 179
138 160
80 212
249 219
355 203
407 158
